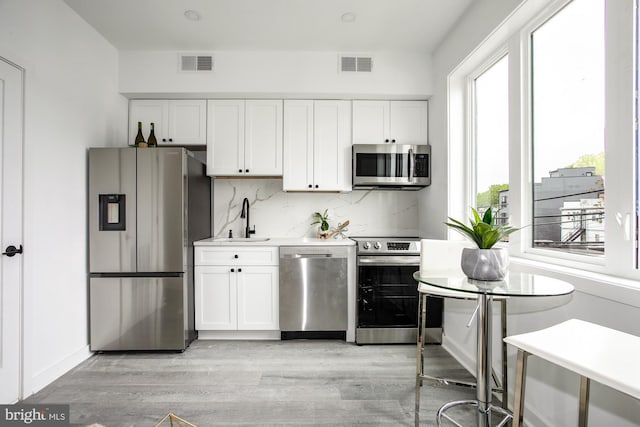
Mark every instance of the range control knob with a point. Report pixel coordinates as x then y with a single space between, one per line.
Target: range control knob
366 245
377 245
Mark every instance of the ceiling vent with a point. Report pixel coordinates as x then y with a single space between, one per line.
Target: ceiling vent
358 64
195 63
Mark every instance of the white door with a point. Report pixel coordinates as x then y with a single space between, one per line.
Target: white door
258 298
216 298
263 137
11 122
408 122
297 173
371 122
188 122
225 137
149 111
332 146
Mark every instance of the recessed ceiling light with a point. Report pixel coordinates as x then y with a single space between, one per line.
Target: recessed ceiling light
348 17
192 15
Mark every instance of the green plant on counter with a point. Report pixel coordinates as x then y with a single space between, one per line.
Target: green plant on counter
322 219
483 231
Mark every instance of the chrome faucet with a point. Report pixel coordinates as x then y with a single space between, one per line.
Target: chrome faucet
245 214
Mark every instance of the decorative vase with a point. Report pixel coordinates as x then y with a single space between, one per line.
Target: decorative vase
485 264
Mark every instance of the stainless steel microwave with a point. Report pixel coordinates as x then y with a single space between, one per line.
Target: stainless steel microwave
392 166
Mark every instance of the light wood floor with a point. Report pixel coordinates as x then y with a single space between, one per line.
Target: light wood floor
298 382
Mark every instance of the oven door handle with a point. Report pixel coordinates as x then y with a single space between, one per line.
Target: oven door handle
393 260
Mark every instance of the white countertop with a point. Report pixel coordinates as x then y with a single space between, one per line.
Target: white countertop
275 241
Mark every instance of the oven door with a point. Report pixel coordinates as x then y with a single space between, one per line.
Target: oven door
387 292
388 299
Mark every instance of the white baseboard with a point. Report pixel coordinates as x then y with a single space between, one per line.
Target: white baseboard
51 373
238 335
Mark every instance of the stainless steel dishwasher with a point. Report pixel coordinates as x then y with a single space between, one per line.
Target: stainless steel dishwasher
313 289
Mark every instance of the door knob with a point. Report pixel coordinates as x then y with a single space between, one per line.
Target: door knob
12 250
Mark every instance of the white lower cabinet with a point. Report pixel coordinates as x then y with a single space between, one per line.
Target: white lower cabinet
236 296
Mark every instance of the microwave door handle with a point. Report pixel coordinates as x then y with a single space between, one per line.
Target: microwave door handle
411 164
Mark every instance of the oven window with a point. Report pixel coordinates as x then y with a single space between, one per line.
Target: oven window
387 297
382 165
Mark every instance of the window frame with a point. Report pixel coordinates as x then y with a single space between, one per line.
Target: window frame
526 246
471 155
513 37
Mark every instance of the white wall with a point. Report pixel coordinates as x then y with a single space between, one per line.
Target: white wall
71 103
551 392
306 74
282 214
482 17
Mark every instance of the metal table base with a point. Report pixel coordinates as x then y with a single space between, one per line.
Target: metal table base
483 369
501 385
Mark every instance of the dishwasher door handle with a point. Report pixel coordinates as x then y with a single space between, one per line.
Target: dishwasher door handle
301 256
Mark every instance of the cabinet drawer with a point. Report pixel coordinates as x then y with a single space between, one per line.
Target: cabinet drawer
234 255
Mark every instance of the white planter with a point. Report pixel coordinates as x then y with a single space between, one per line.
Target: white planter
485 264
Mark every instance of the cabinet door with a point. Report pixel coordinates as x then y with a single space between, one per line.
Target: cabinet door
263 138
332 146
216 298
187 123
258 298
148 111
408 122
370 122
225 137
297 173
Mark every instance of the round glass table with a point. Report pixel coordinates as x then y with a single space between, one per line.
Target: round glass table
515 284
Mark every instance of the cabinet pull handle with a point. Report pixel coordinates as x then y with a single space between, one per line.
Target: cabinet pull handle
386 140
240 170
164 139
170 139
233 270
246 170
236 256
239 270
393 141
316 185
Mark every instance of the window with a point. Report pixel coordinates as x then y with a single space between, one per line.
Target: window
562 90
491 137
567 121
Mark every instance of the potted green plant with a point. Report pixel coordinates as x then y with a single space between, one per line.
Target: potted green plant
323 220
484 262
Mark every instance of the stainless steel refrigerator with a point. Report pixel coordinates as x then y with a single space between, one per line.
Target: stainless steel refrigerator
146 208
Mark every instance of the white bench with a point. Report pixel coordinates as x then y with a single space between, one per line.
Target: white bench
592 351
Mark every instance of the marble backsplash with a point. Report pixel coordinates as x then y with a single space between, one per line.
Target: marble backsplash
284 214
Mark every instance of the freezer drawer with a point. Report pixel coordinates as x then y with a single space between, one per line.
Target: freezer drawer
313 289
139 313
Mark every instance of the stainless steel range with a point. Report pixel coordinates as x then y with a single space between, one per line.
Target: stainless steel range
387 294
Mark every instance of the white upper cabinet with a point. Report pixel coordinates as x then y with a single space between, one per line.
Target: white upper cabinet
225 137
298 146
317 146
244 138
390 122
370 122
177 122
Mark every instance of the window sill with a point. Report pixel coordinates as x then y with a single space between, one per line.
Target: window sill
614 288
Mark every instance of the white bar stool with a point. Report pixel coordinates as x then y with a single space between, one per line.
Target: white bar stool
613 362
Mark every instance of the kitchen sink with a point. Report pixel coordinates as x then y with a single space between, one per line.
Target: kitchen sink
243 240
